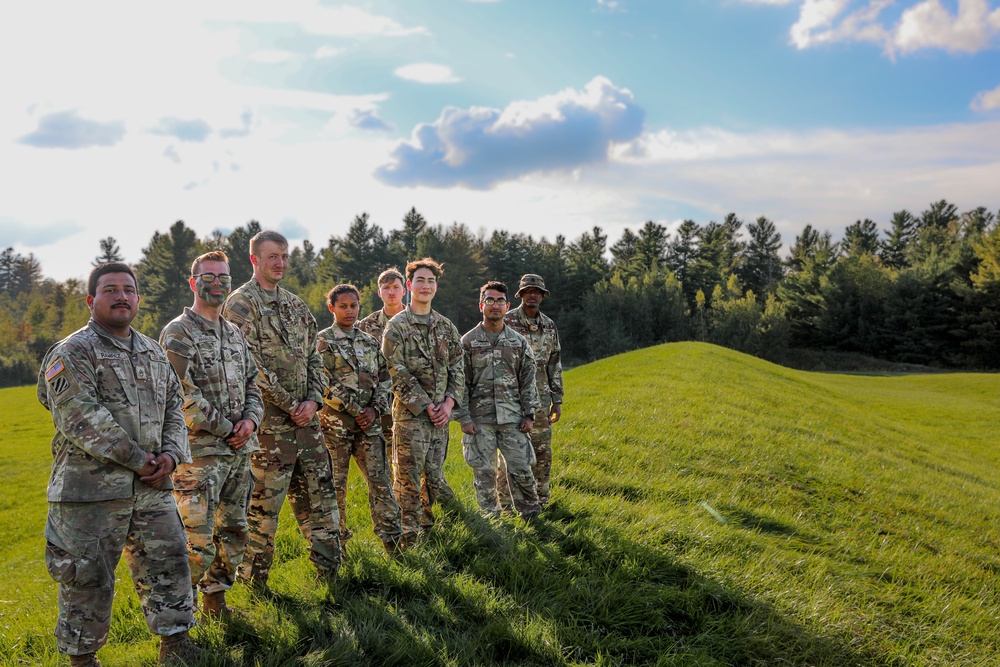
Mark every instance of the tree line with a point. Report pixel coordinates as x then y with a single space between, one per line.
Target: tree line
925 291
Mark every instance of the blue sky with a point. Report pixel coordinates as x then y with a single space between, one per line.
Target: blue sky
544 116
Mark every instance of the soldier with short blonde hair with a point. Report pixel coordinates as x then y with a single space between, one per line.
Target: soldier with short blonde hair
293 459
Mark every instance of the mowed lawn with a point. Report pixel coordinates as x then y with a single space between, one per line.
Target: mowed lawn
708 508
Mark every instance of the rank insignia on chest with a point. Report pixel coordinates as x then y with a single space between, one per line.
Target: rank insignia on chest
140 373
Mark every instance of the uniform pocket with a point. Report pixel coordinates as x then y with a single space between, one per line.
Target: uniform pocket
72 569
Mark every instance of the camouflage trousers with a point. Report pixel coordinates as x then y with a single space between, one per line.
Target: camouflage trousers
297 464
344 439
212 495
85 541
387 434
541 442
481 453
418 452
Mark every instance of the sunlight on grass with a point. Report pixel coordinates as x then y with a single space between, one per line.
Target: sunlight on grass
860 528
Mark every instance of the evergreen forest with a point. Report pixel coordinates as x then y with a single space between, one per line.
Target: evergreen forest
926 290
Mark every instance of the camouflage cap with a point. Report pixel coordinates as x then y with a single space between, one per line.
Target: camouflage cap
531 280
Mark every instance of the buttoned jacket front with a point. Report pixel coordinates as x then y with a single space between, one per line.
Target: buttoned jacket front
218 377
357 373
112 402
499 378
281 334
425 362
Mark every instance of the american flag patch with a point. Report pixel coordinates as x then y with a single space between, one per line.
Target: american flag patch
54 370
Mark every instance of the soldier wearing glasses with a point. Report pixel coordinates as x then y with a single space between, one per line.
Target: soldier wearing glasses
499 406
543 337
222 409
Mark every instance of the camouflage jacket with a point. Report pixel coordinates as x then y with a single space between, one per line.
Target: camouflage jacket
544 340
111 403
218 378
374 324
499 378
281 333
357 372
426 366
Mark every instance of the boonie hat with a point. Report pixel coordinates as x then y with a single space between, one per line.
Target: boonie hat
531 280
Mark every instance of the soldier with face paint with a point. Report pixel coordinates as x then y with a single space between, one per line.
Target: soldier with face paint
116 406
222 409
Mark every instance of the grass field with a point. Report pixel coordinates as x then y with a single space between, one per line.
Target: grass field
709 508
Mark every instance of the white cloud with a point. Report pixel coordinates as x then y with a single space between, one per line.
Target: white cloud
988 100
926 24
826 178
480 147
929 25
311 16
324 52
426 73
272 56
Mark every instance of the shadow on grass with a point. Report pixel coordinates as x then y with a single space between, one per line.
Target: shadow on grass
562 590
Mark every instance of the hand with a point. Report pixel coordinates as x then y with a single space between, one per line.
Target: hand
555 412
164 466
242 432
526 424
304 412
442 412
470 428
365 418
149 467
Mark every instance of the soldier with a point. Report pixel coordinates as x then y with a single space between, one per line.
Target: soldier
357 396
424 354
116 408
543 336
292 460
391 288
222 409
500 403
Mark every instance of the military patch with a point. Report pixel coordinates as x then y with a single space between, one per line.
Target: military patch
103 354
57 381
54 370
481 343
140 372
178 346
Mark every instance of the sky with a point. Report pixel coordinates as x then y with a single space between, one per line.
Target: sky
542 117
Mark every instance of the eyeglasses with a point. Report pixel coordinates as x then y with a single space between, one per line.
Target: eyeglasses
490 301
209 278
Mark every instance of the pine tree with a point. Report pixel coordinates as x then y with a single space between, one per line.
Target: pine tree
110 252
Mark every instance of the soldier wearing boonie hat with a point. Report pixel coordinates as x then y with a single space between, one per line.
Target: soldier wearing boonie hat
543 336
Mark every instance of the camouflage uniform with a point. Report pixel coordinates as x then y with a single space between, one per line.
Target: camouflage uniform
425 362
359 379
543 337
218 377
112 401
499 394
374 325
281 334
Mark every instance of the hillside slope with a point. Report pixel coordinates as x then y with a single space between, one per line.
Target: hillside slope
865 504
709 508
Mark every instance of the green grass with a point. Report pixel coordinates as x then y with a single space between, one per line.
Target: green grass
859 526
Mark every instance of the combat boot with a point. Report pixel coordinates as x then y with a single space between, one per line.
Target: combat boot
178 649
85 660
214 606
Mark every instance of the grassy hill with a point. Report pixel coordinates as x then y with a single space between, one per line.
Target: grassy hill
709 509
